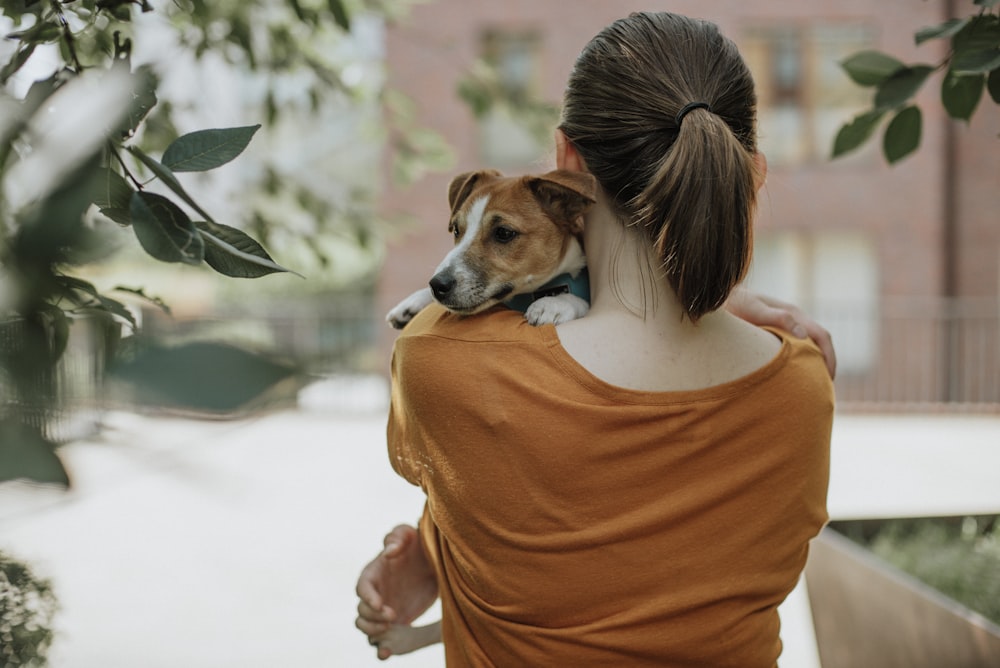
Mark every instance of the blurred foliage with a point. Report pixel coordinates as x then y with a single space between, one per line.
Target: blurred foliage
172 376
958 556
91 149
971 66
484 90
83 148
27 606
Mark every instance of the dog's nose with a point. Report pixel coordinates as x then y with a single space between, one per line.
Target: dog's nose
442 284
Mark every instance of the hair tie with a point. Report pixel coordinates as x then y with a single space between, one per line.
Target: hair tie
690 106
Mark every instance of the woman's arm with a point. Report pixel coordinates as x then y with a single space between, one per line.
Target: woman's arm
397 586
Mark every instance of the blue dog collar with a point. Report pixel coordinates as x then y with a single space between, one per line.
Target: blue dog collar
578 285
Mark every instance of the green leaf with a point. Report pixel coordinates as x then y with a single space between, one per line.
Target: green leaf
946 29
870 68
115 307
40 32
340 14
976 62
207 149
902 136
981 32
232 252
164 230
117 214
205 376
111 190
16 62
474 94
901 86
988 4
168 178
976 48
960 94
26 454
97 300
993 85
857 132
72 283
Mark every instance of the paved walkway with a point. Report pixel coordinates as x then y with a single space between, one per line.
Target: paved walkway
236 544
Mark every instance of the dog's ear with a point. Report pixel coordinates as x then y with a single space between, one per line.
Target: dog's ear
564 195
463 184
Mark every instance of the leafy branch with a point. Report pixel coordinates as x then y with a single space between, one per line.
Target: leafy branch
971 66
58 198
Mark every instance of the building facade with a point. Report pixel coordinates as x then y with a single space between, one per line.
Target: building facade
902 263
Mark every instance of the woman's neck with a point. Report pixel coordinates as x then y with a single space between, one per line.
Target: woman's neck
625 275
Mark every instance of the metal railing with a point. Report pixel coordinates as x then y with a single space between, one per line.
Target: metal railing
905 355
918 354
333 335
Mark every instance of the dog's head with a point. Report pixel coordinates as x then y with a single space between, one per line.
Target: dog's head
512 234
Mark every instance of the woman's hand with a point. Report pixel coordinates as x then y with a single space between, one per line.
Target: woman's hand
397 586
767 312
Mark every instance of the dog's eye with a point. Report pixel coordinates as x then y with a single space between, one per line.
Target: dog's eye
504 235
455 232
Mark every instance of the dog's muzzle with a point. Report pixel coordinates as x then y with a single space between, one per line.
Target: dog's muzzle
465 296
442 284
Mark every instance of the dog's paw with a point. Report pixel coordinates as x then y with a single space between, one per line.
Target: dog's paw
403 312
400 317
556 309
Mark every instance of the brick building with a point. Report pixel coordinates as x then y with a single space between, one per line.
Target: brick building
902 263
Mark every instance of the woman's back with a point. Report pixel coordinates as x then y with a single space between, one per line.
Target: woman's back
573 522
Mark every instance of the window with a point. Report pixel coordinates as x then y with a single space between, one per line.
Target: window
506 135
514 56
834 277
804 96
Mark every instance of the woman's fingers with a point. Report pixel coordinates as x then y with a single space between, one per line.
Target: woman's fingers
371 628
382 615
822 338
766 311
396 540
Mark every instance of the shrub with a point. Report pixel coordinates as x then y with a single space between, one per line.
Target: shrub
27 606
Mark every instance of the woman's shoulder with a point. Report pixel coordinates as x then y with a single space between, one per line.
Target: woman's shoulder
803 379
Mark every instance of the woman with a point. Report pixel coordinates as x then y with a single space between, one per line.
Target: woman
637 487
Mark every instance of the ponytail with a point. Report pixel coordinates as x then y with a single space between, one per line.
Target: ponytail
697 209
662 109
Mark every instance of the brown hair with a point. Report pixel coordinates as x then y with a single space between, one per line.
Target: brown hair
690 184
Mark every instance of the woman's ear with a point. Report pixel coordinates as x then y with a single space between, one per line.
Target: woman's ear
567 156
760 173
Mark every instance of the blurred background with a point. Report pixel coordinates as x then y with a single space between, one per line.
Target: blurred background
207 209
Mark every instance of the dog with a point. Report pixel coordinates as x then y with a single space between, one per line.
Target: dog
514 235
518 241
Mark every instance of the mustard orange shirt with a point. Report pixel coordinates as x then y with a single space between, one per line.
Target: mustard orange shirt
575 523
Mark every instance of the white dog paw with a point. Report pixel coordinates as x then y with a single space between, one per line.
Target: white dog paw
403 312
556 309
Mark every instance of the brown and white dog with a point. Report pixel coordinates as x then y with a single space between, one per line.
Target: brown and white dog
513 235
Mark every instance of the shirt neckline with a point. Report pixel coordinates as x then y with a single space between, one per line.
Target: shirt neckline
602 388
